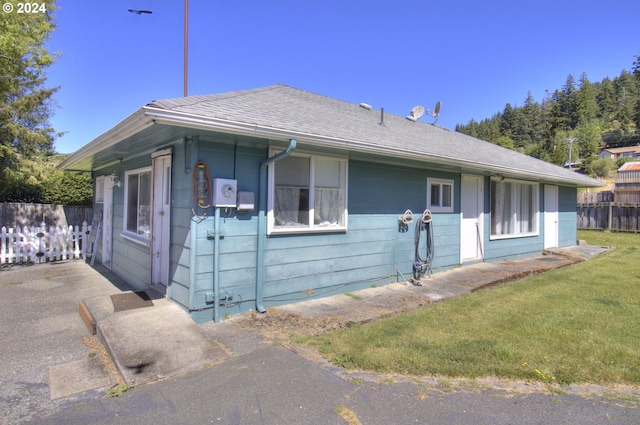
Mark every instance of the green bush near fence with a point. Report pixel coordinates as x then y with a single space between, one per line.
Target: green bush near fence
39 181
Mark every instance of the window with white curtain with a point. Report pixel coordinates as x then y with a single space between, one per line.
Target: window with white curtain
137 205
307 193
514 208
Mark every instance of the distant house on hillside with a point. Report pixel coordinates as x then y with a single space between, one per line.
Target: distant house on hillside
238 201
627 188
617 153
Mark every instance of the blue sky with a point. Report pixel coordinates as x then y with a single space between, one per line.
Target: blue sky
474 56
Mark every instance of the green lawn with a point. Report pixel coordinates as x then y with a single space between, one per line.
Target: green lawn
578 324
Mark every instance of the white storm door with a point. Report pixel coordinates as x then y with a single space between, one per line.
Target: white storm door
107 221
161 216
550 216
471 217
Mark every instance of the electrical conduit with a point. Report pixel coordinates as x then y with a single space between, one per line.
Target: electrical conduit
262 231
216 265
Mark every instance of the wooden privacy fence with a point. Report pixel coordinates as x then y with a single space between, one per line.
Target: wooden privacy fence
39 244
17 214
609 216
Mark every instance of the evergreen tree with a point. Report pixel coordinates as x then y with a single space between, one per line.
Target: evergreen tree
530 121
636 75
26 137
627 98
606 112
566 99
25 102
606 99
489 129
588 135
586 106
545 125
506 126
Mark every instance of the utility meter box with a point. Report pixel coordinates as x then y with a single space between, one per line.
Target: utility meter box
245 201
224 193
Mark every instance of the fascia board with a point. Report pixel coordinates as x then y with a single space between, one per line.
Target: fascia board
131 125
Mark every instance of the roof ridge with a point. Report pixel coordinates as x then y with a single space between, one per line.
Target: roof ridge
208 97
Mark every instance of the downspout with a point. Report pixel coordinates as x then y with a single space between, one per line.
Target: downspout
193 228
216 265
262 232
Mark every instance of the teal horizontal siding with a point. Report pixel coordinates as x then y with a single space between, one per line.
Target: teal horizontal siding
567 217
129 260
303 266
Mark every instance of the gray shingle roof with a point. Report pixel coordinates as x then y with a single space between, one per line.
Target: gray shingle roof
280 107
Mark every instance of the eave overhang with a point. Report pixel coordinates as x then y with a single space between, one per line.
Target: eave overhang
85 158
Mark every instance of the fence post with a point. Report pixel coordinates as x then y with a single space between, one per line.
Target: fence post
76 241
42 243
83 239
65 242
3 236
610 216
11 251
54 243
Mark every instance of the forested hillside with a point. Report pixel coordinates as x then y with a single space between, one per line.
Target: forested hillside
592 115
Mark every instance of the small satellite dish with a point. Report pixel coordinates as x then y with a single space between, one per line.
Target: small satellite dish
436 111
416 113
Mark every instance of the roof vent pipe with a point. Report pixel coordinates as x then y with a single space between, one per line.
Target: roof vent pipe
382 117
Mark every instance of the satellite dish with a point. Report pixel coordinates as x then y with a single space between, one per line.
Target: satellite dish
436 111
416 113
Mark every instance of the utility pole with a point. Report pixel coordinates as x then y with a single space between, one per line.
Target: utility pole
186 45
570 141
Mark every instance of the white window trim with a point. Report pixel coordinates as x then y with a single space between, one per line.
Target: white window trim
312 229
126 233
440 182
536 219
100 189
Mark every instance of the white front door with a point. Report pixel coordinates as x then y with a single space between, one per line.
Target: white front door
550 216
107 221
472 217
161 216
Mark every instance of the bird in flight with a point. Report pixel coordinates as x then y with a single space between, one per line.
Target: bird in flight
140 12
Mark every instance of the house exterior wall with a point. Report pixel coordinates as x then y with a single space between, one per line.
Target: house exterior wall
129 260
500 249
302 266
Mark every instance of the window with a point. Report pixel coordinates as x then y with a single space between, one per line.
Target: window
440 195
514 208
137 207
100 190
307 193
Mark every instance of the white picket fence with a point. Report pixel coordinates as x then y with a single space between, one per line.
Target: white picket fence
39 244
